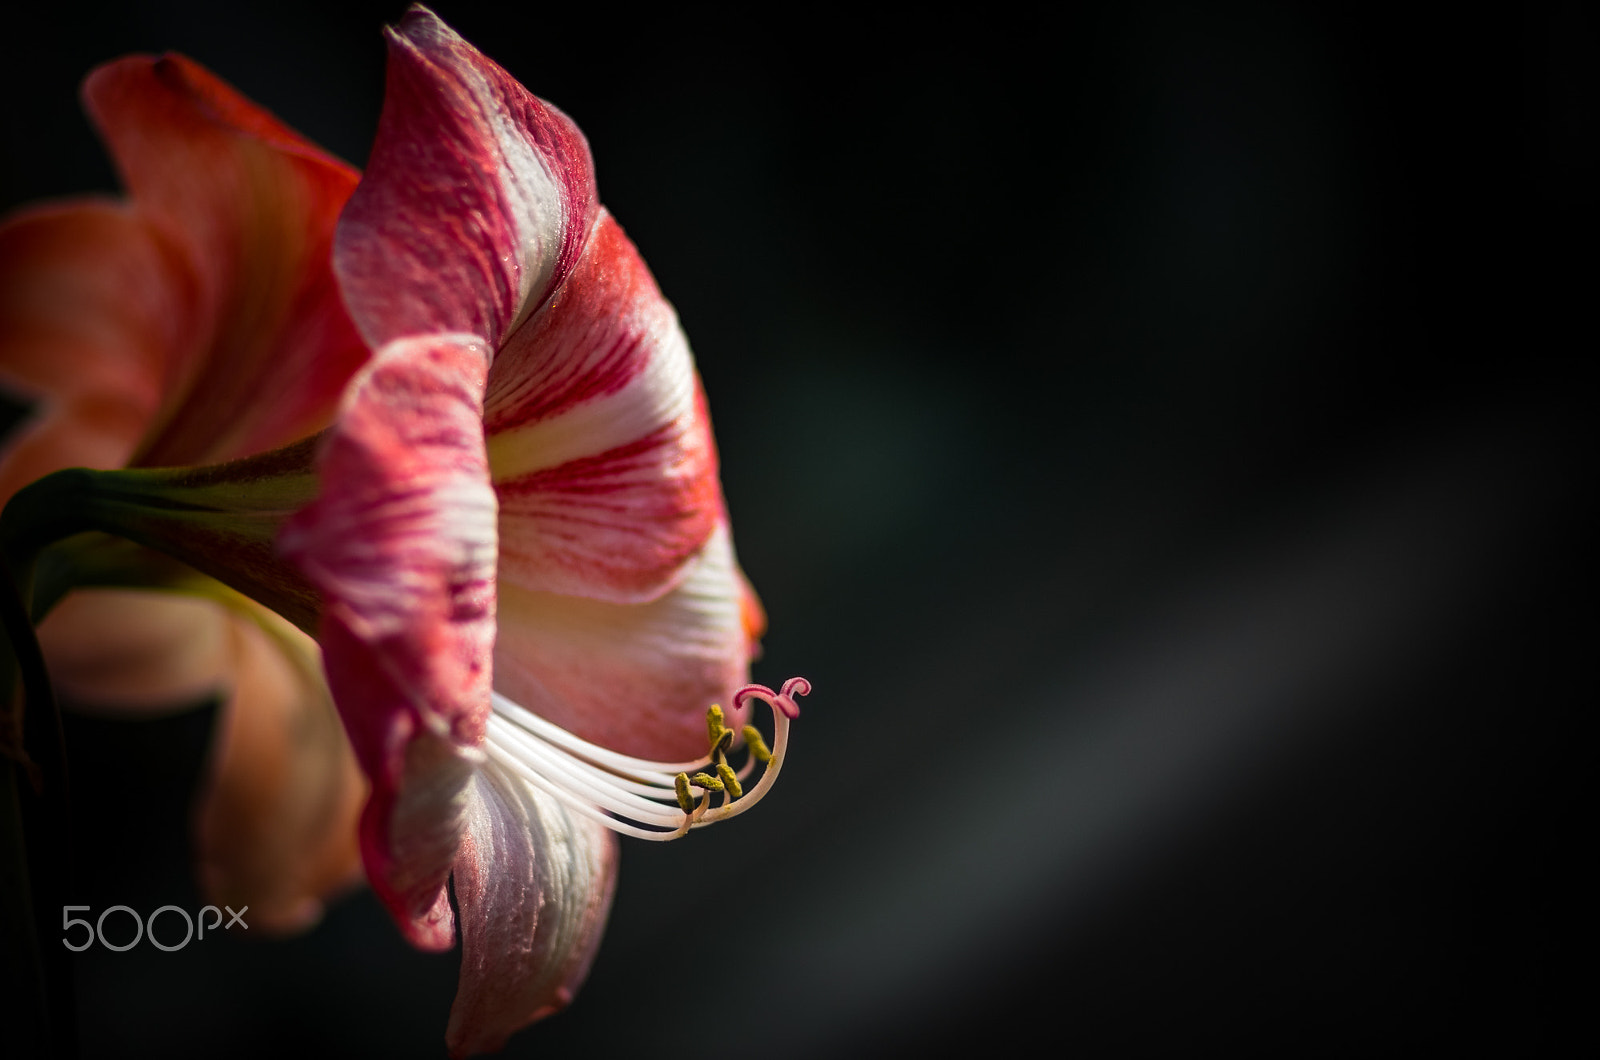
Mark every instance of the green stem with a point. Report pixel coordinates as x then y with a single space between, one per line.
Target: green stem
221 521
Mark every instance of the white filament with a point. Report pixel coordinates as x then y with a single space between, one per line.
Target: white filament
633 796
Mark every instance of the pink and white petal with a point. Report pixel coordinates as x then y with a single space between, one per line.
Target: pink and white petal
250 207
606 327
535 883
412 822
633 678
618 526
401 542
478 197
600 442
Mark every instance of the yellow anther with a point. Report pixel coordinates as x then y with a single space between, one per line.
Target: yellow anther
729 779
758 746
707 781
680 784
720 735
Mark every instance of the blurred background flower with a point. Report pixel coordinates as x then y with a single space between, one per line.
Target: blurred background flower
1159 438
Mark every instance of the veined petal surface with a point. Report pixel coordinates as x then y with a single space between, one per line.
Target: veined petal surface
634 678
599 438
478 215
478 198
535 883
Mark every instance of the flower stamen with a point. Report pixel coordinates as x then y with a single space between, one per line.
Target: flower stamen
758 746
636 796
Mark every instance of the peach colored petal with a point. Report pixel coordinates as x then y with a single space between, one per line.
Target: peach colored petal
89 299
90 304
250 207
202 317
276 820
94 429
135 652
276 827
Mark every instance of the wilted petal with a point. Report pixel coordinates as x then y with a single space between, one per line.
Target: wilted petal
401 542
534 881
632 678
250 207
600 442
477 201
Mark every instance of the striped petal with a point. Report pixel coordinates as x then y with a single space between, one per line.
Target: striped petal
632 678
534 881
401 542
478 216
248 207
477 201
600 442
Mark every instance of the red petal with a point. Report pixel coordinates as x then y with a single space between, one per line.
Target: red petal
477 201
402 543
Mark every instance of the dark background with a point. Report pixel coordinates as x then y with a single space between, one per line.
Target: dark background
1159 436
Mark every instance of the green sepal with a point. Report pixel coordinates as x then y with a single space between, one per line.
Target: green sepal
222 521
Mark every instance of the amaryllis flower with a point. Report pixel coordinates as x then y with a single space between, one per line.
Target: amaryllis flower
530 597
517 562
197 321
